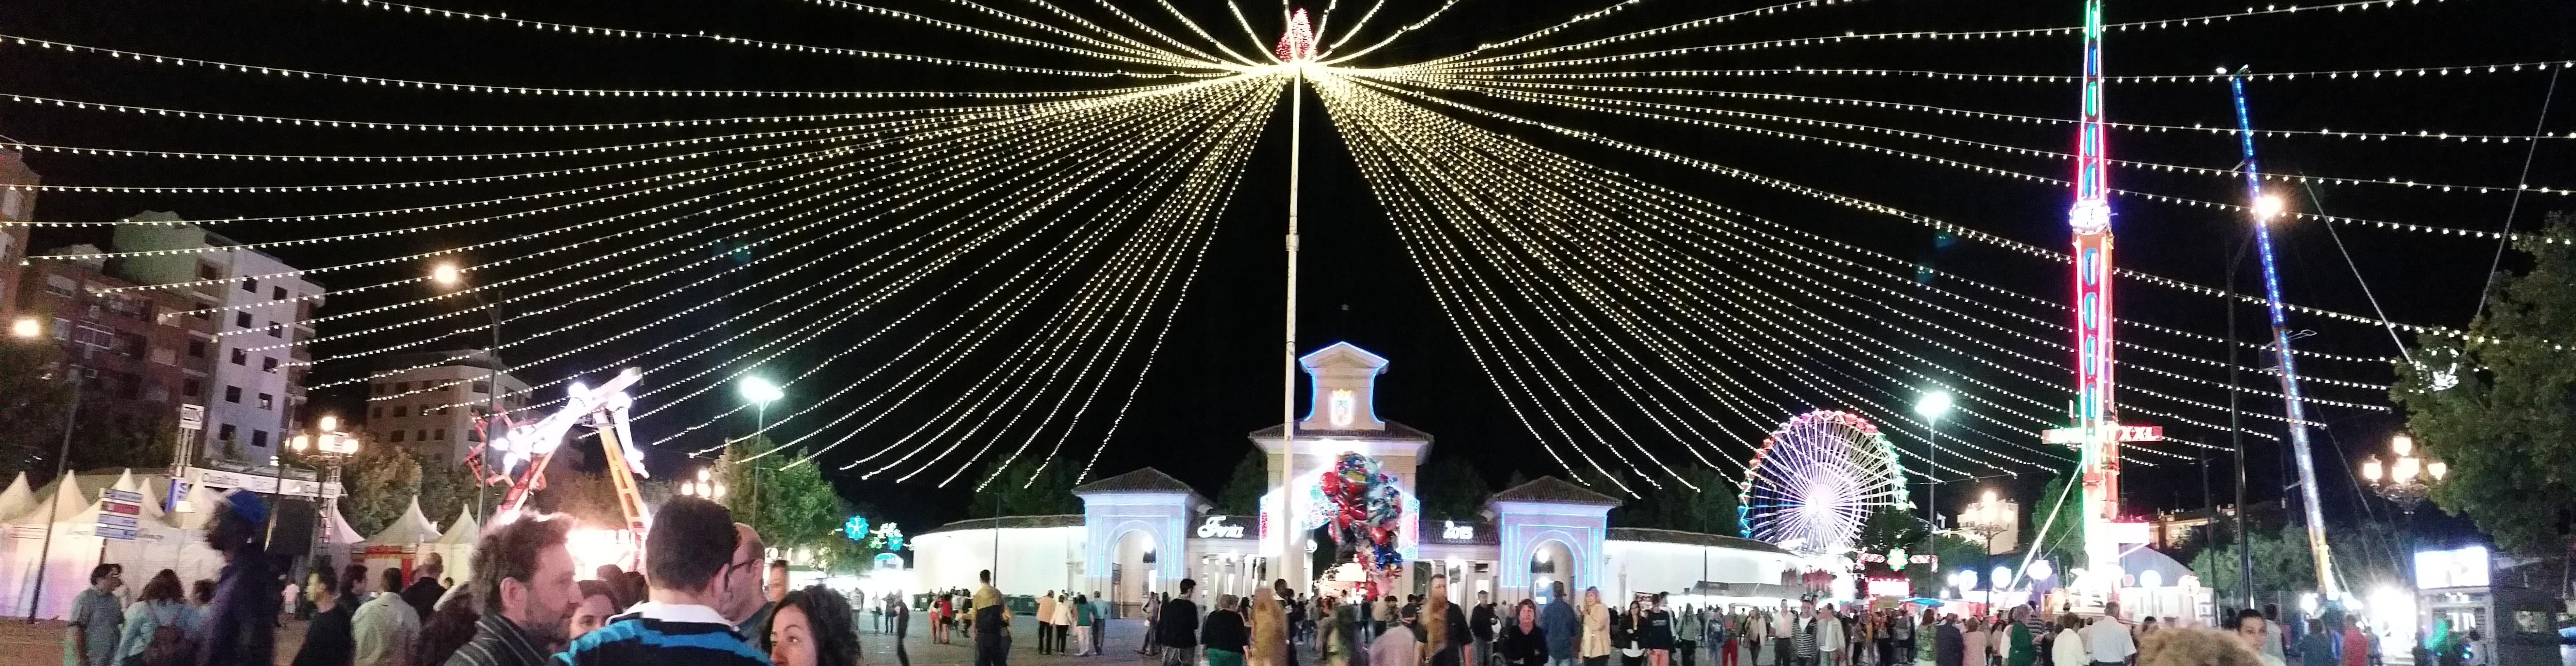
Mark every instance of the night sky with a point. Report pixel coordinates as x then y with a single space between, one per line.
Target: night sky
1216 375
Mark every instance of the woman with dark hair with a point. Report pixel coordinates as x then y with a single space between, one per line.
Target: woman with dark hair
449 626
162 605
812 627
597 604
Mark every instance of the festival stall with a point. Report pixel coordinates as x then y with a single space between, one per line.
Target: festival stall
456 547
72 553
17 499
339 540
398 545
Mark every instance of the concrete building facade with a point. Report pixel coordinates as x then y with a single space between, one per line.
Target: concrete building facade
430 401
261 310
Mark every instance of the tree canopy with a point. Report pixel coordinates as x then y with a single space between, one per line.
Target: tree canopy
1242 493
2065 539
1708 510
2508 426
790 505
1452 488
1023 490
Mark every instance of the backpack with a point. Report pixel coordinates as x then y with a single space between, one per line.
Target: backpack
169 645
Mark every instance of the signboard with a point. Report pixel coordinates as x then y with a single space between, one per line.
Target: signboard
192 417
259 483
116 513
1890 587
2126 433
2465 567
1223 527
1447 530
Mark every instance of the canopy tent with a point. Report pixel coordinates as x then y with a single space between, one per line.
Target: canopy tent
17 499
196 508
456 547
397 544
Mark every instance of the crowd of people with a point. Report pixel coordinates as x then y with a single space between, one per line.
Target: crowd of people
705 600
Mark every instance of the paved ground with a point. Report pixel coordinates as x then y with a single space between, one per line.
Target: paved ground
41 643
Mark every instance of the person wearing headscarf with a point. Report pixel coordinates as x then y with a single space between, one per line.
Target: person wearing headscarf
1269 620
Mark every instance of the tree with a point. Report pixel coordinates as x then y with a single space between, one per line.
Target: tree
1452 488
1242 493
379 482
791 505
2513 405
1890 527
2065 539
2282 564
1710 509
32 399
1022 490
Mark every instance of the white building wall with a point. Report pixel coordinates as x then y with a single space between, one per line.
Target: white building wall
1032 560
1652 566
423 405
265 306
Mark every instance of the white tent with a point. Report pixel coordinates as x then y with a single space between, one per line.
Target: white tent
456 547
408 537
65 561
339 541
17 499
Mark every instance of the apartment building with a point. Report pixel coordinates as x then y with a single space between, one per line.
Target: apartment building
429 401
16 205
260 310
138 357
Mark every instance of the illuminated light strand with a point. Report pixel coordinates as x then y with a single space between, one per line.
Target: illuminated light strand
1202 32
1649 285
157 59
1355 27
1259 46
1570 102
1988 115
1148 58
2537 65
1399 32
1613 9
740 41
1470 335
430 127
1781 363
1264 95
1918 34
1455 303
1085 237
1148 29
1001 113
1954 229
348 187
1130 44
450 157
846 285
708 302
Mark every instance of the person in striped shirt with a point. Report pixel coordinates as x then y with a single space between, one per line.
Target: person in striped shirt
689 551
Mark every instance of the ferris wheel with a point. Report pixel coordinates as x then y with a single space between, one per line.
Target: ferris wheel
1814 481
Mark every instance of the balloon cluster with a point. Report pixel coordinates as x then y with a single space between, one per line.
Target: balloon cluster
1366 508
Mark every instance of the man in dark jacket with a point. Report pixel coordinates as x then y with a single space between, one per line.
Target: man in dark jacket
993 635
424 592
241 622
1177 628
1560 626
1480 623
1949 647
327 641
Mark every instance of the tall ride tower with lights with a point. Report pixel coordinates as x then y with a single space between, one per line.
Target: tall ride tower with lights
2095 429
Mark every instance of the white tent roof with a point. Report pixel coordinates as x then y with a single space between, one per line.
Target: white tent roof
201 502
463 530
411 528
17 499
340 532
124 481
60 505
152 498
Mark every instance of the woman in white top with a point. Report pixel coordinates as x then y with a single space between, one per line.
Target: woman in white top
2070 648
1999 639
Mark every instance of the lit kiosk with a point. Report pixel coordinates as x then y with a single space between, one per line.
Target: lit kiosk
1341 418
2459 589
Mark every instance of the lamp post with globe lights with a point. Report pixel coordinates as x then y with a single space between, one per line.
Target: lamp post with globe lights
448 277
331 447
2404 482
1932 406
705 486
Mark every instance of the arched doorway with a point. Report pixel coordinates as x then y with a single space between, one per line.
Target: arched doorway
1132 571
1551 563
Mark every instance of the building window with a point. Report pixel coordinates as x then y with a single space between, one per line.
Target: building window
224 432
241 357
276 330
259 438
398 435
196 349
267 401
376 413
423 435
441 433
482 387
402 411
202 313
206 271
475 436
380 388
402 387
191 387
277 293
241 320
232 394
268 363
250 285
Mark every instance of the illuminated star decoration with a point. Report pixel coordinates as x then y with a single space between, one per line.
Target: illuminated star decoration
856 528
888 537
1299 42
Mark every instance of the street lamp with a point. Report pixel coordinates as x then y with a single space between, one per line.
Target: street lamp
2407 480
27 328
1931 407
449 277
760 392
331 447
705 486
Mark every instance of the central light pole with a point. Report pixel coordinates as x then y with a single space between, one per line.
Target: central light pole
448 276
760 392
1932 406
